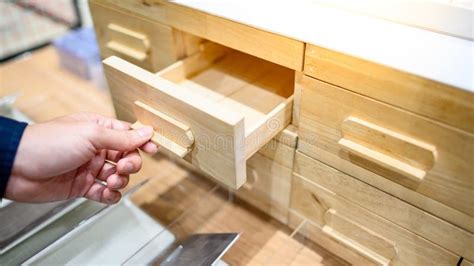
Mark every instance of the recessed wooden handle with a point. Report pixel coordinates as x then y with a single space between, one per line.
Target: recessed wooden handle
391 150
356 236
127 42
170 134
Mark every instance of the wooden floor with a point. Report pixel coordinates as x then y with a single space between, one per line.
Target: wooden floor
177 197
188 203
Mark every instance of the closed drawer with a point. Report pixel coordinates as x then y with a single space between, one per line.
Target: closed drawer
421 154
269 174
306 231
147 44
450 105
377 238
424 224
215 109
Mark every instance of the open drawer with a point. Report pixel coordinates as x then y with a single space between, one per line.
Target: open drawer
214 109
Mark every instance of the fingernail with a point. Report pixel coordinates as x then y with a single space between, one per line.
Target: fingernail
111 199
155 148
129 167
145 132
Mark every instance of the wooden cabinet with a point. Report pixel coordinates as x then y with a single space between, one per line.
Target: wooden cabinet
383 165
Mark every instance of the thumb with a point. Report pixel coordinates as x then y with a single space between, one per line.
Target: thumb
120 140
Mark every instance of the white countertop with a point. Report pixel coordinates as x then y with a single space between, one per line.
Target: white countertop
431 55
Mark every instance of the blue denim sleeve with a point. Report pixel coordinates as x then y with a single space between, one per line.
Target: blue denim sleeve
10 135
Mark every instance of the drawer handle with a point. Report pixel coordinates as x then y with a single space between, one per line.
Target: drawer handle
399 153
170 134
127 42
367 243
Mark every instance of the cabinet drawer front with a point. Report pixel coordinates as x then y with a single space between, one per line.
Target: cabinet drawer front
269 174
267 187
215 108
440 102
147 44
381 240
421 154
399 212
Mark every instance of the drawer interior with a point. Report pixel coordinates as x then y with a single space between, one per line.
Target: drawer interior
234 81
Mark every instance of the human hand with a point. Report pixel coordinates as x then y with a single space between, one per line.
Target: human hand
66 157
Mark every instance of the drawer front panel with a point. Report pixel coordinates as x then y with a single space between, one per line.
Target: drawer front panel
269 174
403 214
306 230
380 239
418 153
147 44
447 104
267 187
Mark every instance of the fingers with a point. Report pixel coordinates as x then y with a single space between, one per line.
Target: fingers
130 163
119 140
107 170
100 193
149 147
116 182
111 196
114 156
119 179
98 120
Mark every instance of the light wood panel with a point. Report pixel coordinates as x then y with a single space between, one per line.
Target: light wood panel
267 187
450 180
399 153
269 46
355 235
441 102
297 98
146 43
465 262
399 212
269 174
308 232
313 201
281 149
429 205
169 133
